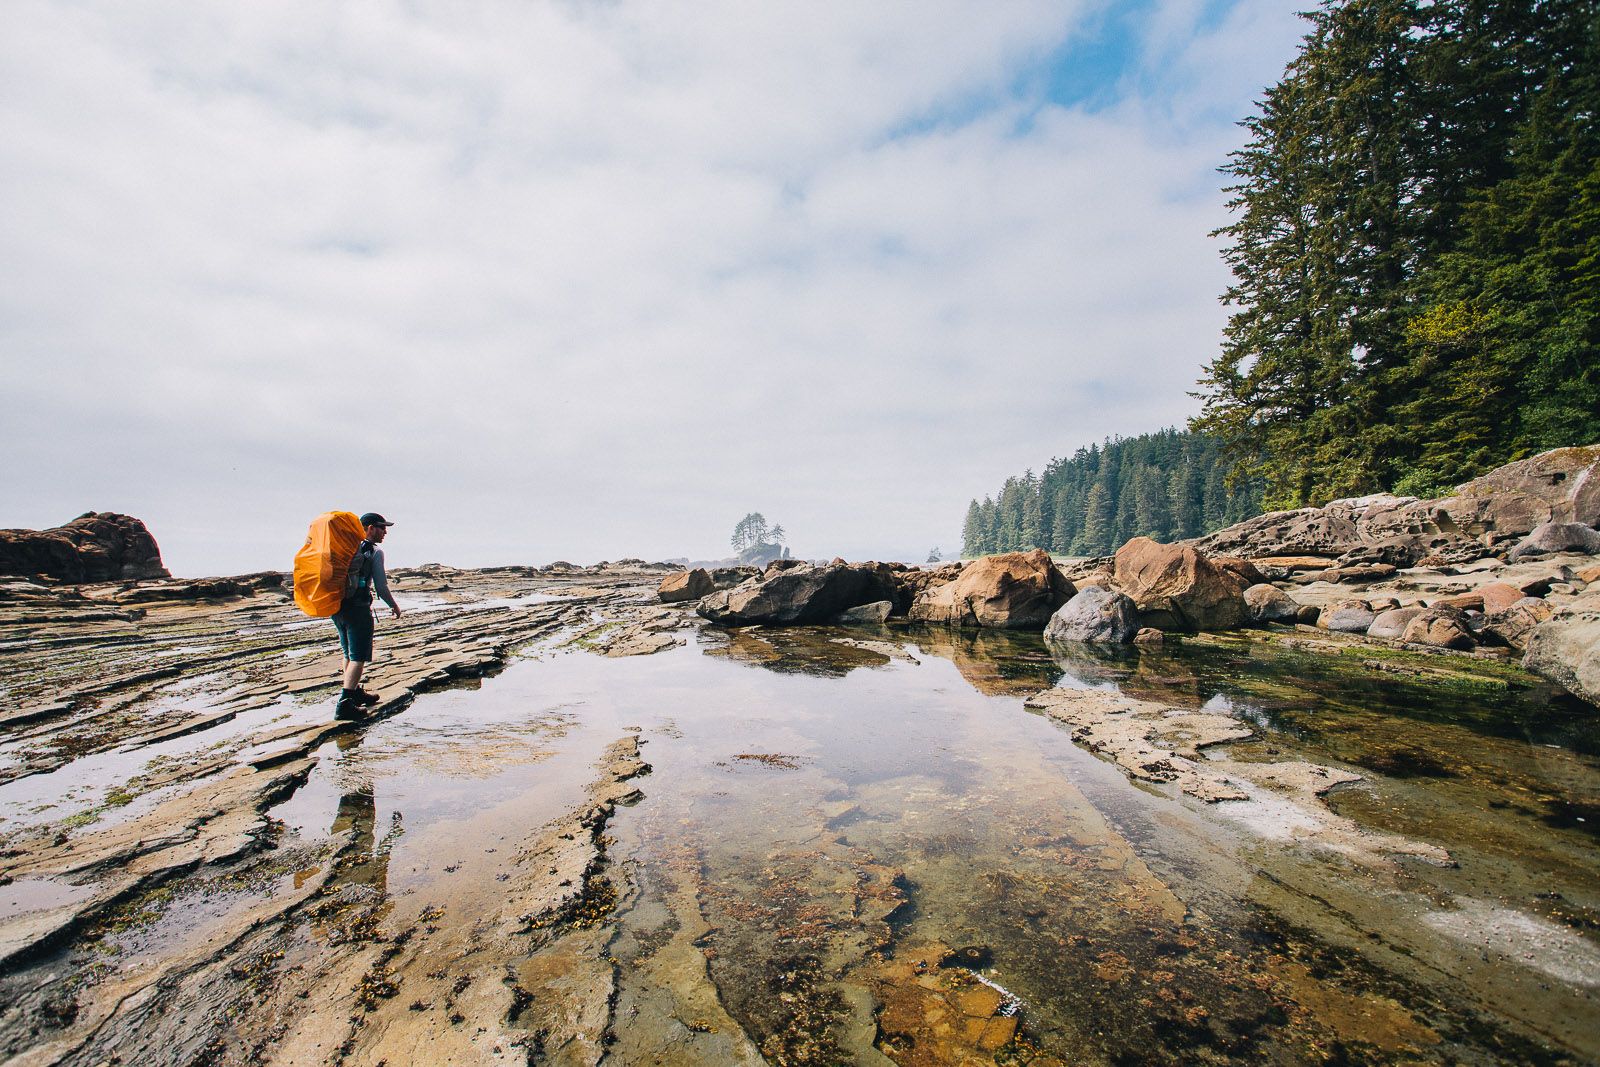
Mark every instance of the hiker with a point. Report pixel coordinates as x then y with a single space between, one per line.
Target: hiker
354 617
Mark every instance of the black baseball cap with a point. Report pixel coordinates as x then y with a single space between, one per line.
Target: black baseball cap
372 518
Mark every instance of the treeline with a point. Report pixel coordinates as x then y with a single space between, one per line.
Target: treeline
1416 250
1168 485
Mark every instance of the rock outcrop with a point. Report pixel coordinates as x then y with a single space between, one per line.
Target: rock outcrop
94 547
1561 486
1558 537
1566 648
1014 591
795 596
1176 587
1268 603
1095 614
685 585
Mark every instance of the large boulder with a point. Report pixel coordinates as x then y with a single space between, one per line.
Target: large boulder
1566 648
685 585
1175 587
1014 591
792 597
1267 603
1348 617
1558 537
1391 625
1512 625
1095 614
94 547
1441 627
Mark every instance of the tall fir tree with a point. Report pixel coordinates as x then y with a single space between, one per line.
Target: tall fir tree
1414 249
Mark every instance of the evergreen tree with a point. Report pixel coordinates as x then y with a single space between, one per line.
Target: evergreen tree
1415 250
1099 523
972 539
1163 485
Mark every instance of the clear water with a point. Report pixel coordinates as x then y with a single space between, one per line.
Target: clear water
822 815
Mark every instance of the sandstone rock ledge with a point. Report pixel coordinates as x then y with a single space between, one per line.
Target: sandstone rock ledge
1162 745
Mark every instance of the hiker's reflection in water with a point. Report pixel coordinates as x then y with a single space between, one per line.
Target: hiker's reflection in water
364 860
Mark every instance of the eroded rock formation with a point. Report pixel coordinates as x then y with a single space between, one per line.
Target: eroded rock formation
94 547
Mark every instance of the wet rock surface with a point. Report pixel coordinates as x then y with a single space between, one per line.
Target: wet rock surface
583 826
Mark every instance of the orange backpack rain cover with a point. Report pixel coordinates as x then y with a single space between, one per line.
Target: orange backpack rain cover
321 566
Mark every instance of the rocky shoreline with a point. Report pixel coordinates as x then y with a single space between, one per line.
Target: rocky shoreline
326 966
1508 568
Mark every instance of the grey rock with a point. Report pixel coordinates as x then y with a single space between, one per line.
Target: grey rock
1094 614
1268 603
877 611
1558 537
1566 649
1391 625
1348 619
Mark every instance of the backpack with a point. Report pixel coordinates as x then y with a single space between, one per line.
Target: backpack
322 566
358 580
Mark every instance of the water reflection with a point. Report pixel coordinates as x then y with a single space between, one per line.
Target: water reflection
1134 926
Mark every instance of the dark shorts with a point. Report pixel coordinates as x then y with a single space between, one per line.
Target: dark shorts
354 620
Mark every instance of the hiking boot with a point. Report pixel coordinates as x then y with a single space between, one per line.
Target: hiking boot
349 706
364 698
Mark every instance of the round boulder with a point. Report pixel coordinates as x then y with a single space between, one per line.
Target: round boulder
1442 627
1268 603
1348 617
1391 625
1095 614
1558 537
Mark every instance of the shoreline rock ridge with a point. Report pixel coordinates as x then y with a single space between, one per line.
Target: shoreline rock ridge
94 547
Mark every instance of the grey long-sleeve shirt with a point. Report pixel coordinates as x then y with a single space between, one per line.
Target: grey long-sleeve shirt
380 581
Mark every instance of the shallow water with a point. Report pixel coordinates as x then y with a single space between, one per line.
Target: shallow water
858 846
820 814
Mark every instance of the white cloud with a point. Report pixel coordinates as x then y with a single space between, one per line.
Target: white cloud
590 279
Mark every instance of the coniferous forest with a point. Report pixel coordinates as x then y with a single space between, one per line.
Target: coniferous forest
1416 260
1415 250
1163 485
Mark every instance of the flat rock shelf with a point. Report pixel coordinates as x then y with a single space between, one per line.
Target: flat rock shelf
582 826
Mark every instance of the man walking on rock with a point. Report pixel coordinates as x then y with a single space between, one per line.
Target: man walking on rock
354 617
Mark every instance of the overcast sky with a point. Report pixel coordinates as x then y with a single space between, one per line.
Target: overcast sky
586 279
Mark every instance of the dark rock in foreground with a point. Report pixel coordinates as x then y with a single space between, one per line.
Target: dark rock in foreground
94 547
795 596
